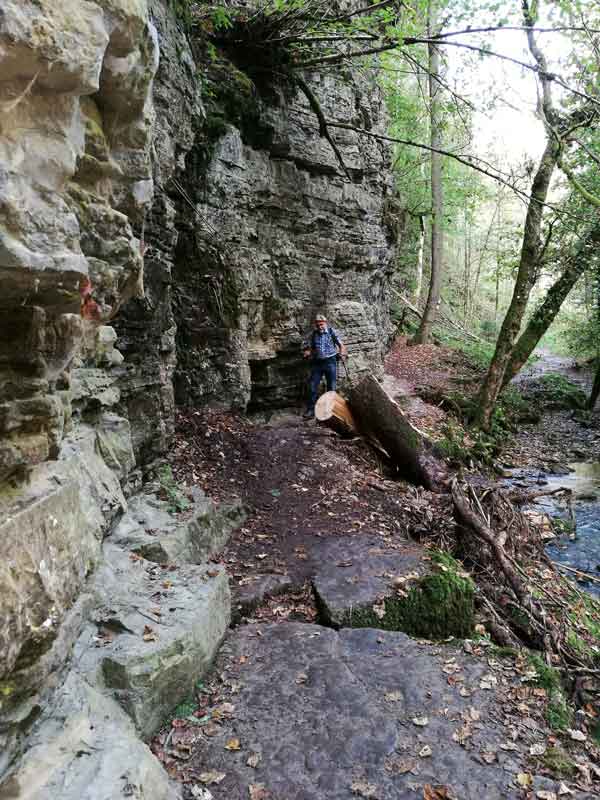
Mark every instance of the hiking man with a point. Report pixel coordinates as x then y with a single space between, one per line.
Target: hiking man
323 347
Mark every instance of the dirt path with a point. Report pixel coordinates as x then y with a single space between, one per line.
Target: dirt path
299 710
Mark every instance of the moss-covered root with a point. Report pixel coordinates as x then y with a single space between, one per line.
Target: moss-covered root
439 606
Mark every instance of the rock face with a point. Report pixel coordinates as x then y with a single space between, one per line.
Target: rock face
278 234
75 150
143 246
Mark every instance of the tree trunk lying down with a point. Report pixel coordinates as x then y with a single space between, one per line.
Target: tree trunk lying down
381 417
333 411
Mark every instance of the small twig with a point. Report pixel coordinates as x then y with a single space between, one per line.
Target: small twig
586 575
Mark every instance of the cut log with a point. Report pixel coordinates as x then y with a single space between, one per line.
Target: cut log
333 411
382 418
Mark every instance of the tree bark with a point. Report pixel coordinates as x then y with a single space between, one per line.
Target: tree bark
556 295
532 247
421 247
424 334
382 418
595 388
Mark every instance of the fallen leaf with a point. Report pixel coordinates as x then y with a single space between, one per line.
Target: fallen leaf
488 681
302 677
257 791
393 697
420 721
544 795
537 749
524 779
364 789
379 610
488 756
212 573
254 760
211 777
436 792
199 793
563 790
149 635
232 744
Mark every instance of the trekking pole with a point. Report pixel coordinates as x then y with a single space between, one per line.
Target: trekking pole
346 368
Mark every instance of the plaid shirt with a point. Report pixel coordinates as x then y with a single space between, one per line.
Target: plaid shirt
323 345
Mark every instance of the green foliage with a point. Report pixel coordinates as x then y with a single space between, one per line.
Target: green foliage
558 712
185 709
183 11
171 490
557 760
222 18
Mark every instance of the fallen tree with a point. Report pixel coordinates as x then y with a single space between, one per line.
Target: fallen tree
409 449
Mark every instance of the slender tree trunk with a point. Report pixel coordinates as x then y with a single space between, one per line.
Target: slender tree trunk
556 295
420 251
595 388
530 252
424 334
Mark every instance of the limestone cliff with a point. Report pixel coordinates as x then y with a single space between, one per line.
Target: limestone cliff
279 233
167 229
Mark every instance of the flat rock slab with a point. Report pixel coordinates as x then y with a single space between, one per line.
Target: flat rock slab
85 748
156 631
354 572
330 715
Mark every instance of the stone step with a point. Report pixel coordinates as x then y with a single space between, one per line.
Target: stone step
152 531
154 633
362 581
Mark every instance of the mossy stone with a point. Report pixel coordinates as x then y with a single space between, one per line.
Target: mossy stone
441 605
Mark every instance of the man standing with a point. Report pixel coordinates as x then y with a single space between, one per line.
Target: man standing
323 348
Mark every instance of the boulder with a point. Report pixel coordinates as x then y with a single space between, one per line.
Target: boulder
152 531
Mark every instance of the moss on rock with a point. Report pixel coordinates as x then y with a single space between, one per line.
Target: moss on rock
440 605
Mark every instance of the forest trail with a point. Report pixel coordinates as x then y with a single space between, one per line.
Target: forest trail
316 692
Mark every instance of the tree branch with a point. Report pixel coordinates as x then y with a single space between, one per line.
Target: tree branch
323 129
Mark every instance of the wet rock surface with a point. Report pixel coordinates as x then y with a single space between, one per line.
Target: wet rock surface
308 712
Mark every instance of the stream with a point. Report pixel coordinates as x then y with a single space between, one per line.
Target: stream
560 442
583 551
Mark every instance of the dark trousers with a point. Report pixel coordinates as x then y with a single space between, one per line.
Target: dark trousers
327 367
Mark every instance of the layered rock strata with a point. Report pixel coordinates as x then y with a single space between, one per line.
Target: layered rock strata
279 232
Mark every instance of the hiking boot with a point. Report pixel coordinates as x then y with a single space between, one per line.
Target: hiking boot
308 415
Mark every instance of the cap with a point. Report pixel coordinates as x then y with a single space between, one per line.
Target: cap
320 318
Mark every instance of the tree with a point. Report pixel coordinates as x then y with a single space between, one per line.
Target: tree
558 129
424 333
546 313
